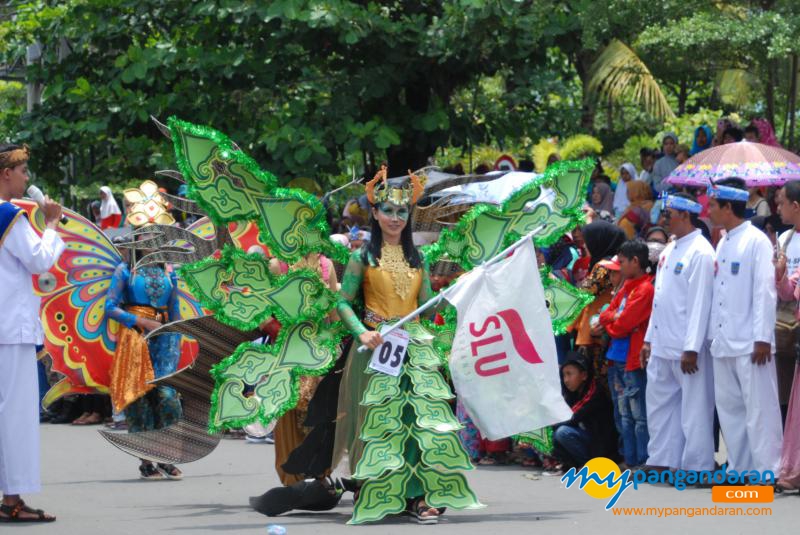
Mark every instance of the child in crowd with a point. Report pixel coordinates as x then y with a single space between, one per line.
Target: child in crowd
590 432
625 321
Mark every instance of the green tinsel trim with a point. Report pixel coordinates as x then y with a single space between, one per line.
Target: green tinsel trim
218 370
333 250
560 326
229 254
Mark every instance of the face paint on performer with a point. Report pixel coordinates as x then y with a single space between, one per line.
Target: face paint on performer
393 211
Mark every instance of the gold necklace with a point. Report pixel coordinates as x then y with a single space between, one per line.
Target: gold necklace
393 261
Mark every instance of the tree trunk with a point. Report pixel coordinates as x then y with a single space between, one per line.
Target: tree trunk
583 65
772 81
683 94
792 101
415 146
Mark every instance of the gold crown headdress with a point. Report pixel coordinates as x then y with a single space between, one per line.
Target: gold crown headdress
15 157
408 195
147 206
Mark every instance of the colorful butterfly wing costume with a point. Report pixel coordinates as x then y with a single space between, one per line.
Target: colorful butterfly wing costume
79 337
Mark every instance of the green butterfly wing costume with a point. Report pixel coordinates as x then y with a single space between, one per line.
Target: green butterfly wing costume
398 432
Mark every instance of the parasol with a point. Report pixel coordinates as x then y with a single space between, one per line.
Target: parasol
757 164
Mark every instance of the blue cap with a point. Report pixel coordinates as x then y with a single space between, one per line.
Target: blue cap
680 203
727 193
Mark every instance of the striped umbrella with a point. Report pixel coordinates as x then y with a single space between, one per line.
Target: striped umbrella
757 164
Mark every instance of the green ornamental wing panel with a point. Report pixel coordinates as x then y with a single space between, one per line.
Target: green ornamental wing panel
307 348
554 199
442 449
447 489
381 497
230 405
230 186
242 292
564 301
222 179
541 440
382 455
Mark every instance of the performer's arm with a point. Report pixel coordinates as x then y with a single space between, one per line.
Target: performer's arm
115 295
36 254
351 286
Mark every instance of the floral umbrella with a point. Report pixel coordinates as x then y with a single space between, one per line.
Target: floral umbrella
757 164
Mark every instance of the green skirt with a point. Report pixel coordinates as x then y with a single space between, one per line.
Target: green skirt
400 433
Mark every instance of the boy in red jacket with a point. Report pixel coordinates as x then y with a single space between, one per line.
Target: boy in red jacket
625 321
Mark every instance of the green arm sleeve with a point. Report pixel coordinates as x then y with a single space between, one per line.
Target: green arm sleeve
351 286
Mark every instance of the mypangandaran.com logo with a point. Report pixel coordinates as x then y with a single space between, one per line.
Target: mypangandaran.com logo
602 478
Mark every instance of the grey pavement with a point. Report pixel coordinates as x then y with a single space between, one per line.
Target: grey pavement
94 488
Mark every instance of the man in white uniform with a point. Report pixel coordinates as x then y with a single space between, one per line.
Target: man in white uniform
22 254
742 333
680 381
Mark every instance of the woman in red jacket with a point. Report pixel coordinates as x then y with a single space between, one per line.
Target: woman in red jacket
625 321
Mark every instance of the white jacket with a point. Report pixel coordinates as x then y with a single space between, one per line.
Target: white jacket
22 255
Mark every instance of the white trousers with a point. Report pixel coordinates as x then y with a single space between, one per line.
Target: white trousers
749 413
19 420
680 414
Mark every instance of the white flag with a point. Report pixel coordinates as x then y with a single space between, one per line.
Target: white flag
503 362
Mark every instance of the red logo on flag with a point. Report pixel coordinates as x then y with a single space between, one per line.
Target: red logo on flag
492 364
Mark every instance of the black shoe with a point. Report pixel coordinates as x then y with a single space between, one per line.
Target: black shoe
304 495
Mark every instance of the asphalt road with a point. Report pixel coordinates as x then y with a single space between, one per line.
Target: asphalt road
94 489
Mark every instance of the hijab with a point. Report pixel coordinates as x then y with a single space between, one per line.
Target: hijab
606 198
696 147
621 193
603 240
766 134
108 206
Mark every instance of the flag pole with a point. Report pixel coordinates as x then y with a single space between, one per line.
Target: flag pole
441 295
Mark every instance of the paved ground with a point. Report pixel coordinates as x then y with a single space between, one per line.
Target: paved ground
94 489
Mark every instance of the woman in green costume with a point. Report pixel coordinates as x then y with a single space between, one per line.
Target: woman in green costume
398 432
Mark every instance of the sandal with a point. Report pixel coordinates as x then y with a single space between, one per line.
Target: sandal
170 471
150 472
11 514
91 419
423 513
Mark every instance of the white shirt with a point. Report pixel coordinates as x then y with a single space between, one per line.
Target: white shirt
22 255
745 298
792 250
682 301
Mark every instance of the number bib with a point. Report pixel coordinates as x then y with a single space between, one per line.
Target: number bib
388 358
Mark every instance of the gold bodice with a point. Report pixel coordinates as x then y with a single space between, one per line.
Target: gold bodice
391 289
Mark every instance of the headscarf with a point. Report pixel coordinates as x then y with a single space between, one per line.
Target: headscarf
108 206
603 240
766 134
640 195
621 193
709 138
606 198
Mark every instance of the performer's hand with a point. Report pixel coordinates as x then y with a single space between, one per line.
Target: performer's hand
762 353
147 324
52 212
689 362
644 355
371 339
